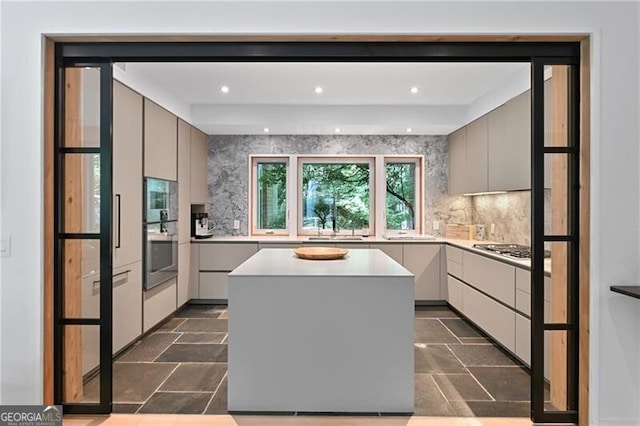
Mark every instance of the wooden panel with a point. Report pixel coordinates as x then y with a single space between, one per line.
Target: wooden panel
225 256
184 272
455 293
49 241
490 276
73 219
160 142
199 166
457 161
159 303
559 194
423 260
585 200
460 232
476 156
213 285
492 317
395 251
127 305
127 175
184 182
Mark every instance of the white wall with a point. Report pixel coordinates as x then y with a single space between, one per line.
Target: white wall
615 211
1 204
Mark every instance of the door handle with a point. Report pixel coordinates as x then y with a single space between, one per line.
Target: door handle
96 283
119 217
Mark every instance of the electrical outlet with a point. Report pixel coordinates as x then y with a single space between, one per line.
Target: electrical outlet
492 229
436 225
236 224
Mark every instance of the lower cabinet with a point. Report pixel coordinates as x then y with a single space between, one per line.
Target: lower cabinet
394 251
184 273
455 292
494 318
423 261
127 305
159 303
213 285
523 343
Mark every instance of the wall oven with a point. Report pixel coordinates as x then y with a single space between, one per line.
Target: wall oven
160 231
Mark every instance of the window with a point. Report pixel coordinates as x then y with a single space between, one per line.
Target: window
336 193
270 195
403 194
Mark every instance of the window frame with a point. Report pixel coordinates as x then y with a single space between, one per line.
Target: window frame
418 160
254 160
337 159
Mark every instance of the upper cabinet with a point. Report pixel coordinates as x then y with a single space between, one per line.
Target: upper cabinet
493 153
509 159
160 142
199 161
127 175
457 161
476 156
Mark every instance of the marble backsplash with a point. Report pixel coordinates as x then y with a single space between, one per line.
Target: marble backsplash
511 213
229 171
229 181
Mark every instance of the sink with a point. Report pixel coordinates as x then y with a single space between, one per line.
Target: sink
409 237
338 238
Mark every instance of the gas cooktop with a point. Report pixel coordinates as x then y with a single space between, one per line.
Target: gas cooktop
511 250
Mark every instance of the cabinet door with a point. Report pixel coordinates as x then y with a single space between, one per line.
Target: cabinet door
184 263
127 305
184 181
423 261
510 145
199 169
476 156
457 161
494 318
213 285
225 257
127 175
492 277
455 293
160 142
159 303
394 251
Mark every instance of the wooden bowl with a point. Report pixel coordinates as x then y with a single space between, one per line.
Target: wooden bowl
320 253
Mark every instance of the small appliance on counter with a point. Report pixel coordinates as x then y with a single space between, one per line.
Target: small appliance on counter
200 226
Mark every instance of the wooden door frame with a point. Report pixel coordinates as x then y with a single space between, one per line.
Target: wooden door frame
49 43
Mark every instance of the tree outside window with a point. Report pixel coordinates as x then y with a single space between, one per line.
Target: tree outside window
401 195
271 195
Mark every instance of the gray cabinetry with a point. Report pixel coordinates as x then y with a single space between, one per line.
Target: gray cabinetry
216 260
160 142
395 251
476 157
127 176
509 159
199 171
423 261
457 161
184 182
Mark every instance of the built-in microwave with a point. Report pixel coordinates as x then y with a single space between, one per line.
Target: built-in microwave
160 231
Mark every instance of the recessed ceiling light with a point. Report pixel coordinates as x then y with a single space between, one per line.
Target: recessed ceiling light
409 130
337 130
318 90
224 89
414 90
266 130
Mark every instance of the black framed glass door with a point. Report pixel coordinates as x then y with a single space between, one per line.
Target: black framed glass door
555 227
82 286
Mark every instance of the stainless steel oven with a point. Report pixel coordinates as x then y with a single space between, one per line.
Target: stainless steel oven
160 231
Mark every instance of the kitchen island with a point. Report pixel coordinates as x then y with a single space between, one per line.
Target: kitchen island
321 335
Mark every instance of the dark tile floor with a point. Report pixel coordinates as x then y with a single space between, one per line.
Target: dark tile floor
182 368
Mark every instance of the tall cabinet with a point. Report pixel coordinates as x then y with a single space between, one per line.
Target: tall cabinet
127 188
199 170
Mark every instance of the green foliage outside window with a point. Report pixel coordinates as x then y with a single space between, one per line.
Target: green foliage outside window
272 196
401 193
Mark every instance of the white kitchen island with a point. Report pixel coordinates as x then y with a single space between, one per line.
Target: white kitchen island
321 335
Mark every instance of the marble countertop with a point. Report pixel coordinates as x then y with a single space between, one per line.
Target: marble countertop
463 244
358 263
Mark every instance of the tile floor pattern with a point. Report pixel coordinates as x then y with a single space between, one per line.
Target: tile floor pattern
182 368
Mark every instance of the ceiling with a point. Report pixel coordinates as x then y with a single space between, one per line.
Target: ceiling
357 98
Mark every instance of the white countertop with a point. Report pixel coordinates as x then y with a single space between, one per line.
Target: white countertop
463 244
357 263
